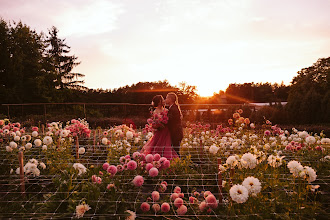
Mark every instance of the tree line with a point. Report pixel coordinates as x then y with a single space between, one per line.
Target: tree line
38 68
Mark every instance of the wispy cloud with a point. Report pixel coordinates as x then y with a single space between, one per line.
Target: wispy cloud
122 41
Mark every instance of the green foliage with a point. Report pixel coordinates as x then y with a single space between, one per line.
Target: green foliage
309 95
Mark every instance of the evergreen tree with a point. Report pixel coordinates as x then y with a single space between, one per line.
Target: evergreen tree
62 63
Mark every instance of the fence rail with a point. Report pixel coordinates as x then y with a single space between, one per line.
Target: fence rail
103 114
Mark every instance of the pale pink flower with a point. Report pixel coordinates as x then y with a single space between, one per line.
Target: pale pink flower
177 189
178 202
202 206
138 181
156 207
149 158
174 196
182 210
110 186
136 155
81 209
211 201
153 172
155 196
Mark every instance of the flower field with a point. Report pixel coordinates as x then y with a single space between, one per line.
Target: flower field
66 170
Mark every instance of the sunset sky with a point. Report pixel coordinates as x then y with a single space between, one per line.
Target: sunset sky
207 43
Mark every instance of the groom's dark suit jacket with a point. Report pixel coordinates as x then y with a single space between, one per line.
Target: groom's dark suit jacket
175 126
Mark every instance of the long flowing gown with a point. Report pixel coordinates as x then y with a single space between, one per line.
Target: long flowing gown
160 143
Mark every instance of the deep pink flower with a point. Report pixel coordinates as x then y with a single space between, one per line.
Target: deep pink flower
162 188
120 168
156 157
131 165
166 164
149 166
318 148
145 207
165 207
112 169
192 199
105 166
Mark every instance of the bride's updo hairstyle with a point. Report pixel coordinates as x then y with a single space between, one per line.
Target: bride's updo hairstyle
157 100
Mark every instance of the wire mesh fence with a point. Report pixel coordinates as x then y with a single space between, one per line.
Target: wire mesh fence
59 189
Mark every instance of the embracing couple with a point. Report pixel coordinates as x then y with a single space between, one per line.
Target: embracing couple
167 127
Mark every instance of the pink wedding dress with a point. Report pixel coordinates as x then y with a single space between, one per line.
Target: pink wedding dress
160 143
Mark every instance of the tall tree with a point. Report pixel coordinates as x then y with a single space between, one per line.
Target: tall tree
308 100
62 63
23 76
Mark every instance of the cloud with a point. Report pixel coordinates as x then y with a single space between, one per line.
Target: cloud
91 18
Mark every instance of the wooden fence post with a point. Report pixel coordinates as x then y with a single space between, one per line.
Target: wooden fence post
77 148
220 181
43 129
21 172
94 140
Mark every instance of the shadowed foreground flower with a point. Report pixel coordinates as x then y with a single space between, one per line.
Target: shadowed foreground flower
202 206
155 207
155 196
182 210
211 201
81 209
81 168
178 202
131 216
239 193
174 196
295 167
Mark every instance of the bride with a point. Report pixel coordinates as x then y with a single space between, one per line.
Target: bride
161 141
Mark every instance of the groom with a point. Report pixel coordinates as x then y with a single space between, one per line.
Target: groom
174 121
